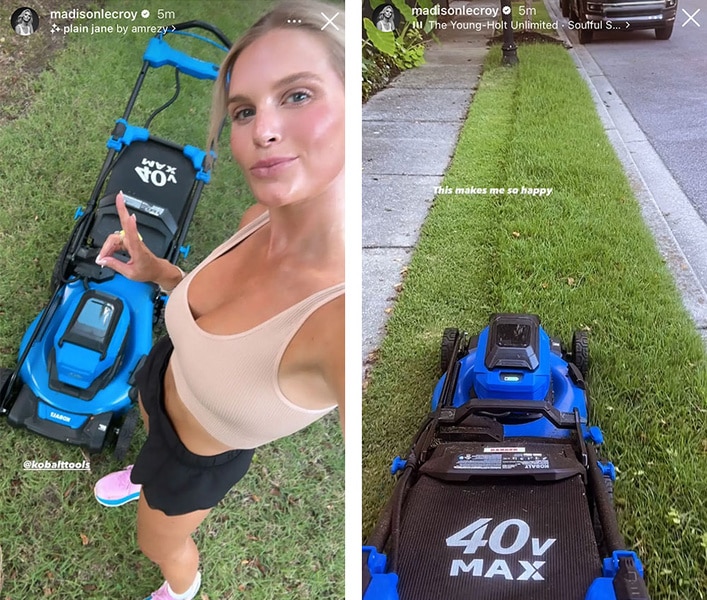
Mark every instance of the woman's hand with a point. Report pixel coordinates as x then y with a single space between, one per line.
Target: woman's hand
143 264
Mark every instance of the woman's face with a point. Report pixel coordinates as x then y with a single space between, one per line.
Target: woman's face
387 11
286 103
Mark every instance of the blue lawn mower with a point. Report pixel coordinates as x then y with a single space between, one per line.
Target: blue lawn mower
73 378
503 495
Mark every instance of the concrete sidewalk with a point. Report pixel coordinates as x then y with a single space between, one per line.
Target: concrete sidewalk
410 132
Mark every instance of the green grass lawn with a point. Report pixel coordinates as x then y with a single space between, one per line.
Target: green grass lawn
279 533
581 258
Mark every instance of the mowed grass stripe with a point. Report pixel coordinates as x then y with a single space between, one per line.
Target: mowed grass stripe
580 258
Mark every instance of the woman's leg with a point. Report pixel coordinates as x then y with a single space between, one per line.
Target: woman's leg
167 542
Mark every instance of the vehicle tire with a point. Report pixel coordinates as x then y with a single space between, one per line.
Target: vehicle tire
446 350
580 352
125 434
565 7
585 36
664 33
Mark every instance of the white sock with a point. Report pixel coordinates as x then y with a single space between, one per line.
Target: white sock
191 592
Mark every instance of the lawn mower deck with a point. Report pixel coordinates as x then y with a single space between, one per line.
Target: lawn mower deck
503 496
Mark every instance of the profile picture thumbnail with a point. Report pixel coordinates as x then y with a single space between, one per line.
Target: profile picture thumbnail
24 21
386 17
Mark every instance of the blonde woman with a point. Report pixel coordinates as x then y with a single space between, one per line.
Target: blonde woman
24 25
386 19
255 349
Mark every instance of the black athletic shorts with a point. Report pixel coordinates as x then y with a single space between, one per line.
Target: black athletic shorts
175 480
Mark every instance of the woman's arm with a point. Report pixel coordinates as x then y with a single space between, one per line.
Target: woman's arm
169 277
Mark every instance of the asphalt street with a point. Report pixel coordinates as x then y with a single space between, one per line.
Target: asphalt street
664 86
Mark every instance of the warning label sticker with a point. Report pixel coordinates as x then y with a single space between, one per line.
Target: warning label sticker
519 460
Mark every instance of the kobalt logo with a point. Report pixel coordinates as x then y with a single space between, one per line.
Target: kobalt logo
156 173
59 416
473 537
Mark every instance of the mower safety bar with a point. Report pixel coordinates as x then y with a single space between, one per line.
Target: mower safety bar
161 54
559 419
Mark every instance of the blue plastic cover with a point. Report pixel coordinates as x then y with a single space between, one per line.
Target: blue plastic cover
509 383
80 363
475 378
197 156
607 469
383 586
131 134
114 397
398 464
610 565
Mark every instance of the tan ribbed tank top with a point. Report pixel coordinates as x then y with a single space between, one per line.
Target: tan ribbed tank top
230 382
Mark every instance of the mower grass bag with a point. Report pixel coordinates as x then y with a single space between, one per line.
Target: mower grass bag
502 496
73 378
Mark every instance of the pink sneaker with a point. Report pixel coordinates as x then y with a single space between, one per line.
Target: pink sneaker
116 489
164 594
161 594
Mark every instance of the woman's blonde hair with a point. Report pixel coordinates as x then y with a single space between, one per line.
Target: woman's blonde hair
302 15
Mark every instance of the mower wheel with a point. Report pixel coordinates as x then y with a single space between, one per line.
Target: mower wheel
580 352
125 435
446 350
5 375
